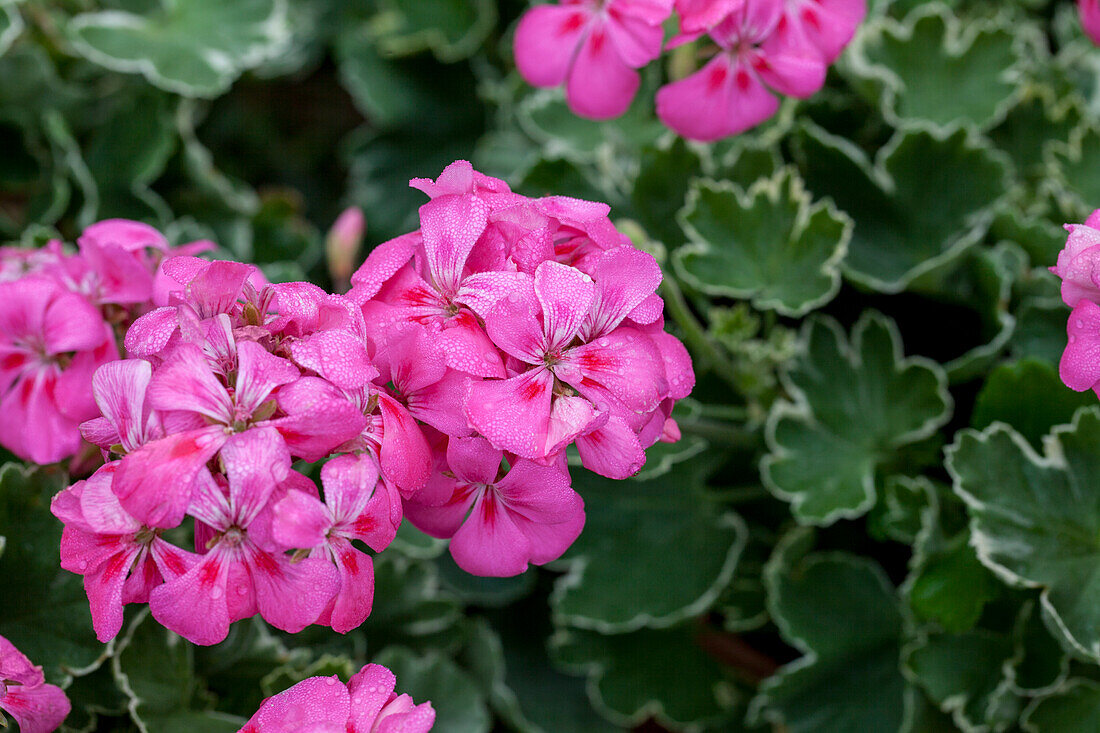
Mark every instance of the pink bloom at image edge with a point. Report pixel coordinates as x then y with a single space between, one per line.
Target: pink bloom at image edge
36 706
1078 267
1089 11
367 704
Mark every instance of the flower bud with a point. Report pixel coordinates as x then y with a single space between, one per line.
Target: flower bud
342 245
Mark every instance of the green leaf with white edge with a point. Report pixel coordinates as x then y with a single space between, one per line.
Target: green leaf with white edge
965 674
450 29
855 404
1041 666
665 172
1035 519
688 555
663 674
924 201
1038 119
1074 708
560 177
770 244
899 514
1028 395
11 23
234 669
413 543
46 614
545 116
914 61
743 603
1040 330
410 607
459 705
283 678
842 613
1076 176
487 592
1039 237
924 716
483 658
128 153
748 161
948 585
981 280
548 700
195 48
155 670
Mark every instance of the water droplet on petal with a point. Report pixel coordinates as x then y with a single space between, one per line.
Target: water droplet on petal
216 592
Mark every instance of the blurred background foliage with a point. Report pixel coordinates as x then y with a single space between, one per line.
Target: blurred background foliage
803 560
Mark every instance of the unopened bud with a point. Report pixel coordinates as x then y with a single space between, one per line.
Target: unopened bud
342 245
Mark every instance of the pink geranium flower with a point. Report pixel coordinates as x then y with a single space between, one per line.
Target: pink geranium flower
242 573
498 523
575 366
367 704
593 47
51 341
730 94
357 506
122 559
24 694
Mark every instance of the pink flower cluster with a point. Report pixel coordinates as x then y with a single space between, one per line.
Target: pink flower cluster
24 694
445 386
759 48
367 704
1079 268
59 312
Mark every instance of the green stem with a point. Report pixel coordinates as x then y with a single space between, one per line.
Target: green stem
721 433
695 335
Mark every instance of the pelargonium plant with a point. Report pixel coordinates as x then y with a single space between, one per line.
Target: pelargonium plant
757 48
445 386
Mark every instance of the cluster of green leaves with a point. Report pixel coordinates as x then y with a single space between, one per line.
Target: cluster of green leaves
883 514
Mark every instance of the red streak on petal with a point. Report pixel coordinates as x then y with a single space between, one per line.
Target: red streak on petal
185 447
743 80
108 540
11 361
351 562
208 575
461 494
114 566
266 564
364 524
809 17
716 78
489 508
598 39
571 24
173 562
530 391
